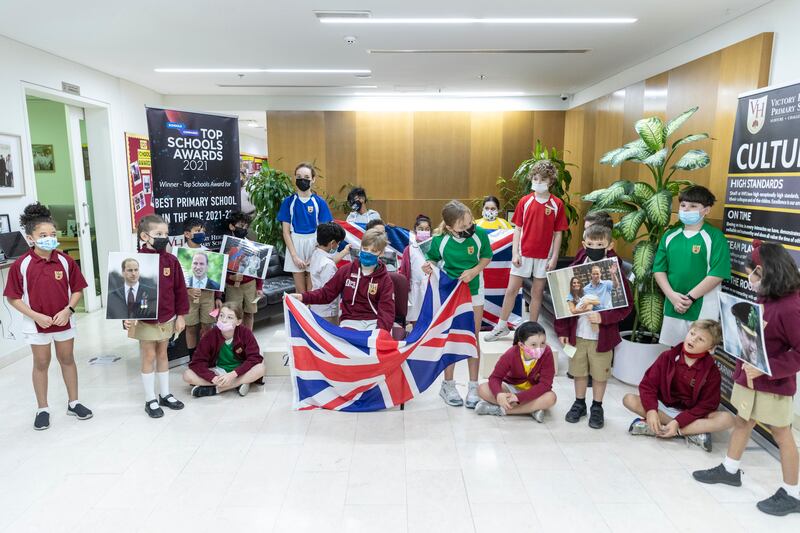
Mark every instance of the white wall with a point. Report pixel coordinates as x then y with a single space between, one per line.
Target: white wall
125 100
779 16
251 144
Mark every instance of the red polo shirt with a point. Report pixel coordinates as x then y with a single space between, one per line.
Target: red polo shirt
46 285
684 382
539 221
173 299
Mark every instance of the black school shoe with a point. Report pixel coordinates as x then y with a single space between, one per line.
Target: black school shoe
42 421
175 405
718 474
576 412
79 411
199 391
779 504
596 418
156 412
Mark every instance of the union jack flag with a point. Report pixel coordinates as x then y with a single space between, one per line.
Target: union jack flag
348 370
495 275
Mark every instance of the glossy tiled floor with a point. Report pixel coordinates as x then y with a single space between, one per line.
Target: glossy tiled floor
252 464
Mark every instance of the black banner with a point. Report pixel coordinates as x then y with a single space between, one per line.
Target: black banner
762 200
195 158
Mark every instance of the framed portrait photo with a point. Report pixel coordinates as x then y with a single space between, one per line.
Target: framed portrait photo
12 181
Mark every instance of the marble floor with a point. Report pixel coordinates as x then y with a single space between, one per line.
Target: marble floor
229 463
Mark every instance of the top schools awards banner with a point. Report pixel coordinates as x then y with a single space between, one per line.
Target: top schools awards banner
195 160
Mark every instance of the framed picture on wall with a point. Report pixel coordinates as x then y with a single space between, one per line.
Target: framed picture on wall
43 158
12 182
5 224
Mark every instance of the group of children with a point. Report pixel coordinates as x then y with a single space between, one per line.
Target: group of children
678 396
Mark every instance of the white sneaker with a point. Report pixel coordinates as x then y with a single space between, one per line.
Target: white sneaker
497 333
472 397
244 388
450 395
538 415
486 408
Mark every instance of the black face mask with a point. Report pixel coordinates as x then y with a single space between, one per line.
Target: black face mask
596 254
356 205
467 233
240 232
160 243
303 184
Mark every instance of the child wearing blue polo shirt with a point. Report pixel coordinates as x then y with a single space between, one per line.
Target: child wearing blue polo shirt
300 215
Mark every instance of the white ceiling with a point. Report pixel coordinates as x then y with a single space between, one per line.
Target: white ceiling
129 40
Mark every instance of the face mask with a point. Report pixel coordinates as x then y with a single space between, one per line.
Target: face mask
533 353
356 205
755 286
367 259
489 214
539 187
225 327
159 243
423 235
240 232
595 254
689 218
467 233
47 244
303 184
199 238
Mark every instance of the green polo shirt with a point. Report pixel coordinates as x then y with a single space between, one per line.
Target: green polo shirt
226 360
459 255
687 260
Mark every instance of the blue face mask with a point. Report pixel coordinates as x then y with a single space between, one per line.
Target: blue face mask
199 238
47 244
367 259
689 218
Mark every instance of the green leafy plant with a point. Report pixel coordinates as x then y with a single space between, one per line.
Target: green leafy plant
646 207
513 188
267 189
341 207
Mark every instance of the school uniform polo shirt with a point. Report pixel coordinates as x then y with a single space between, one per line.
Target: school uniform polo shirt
461 254
687 258
45 285
304 214
539 221
684 382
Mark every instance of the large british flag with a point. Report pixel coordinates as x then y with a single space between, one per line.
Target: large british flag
347 370
495 275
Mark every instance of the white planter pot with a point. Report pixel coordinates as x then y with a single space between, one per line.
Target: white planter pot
632 359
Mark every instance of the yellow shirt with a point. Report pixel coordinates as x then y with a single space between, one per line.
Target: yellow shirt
498 223
528 365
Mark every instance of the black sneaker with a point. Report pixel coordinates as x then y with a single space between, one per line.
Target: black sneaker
718 474
576 412
596 418
199 391
779 504
175 404
79 411
42 421
153 412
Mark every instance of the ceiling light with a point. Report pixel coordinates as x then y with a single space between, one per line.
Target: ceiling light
471 20
267 70
450 94
482 51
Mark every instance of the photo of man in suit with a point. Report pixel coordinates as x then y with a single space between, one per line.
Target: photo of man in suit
135 299
198 279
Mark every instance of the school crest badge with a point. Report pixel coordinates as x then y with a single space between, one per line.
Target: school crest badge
167 272
373 288
547 211
756 114
310 208
59 275
239 349
696 249
471 250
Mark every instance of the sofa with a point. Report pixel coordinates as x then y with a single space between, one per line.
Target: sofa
276 285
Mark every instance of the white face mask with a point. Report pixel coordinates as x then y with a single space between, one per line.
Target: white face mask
490 214
539 188
754 285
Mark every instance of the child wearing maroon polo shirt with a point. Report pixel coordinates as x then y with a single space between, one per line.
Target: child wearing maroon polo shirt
679 394
173 304
758 397
245 290
45 286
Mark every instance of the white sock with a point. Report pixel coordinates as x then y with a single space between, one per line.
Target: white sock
163 383
449 382
149 382
792 490
43 410
502 323
731 465
473 384
73 404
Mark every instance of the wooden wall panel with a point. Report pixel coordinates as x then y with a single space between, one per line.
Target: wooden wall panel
296 136
340 151
548 126
517 140
485 155
441 155
385 154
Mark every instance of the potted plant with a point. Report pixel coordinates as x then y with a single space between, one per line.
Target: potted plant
513 188
646 208
267 189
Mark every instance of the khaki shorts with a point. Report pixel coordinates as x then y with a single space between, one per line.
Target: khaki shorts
243 294
765 407
145 331
588 361
199 312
